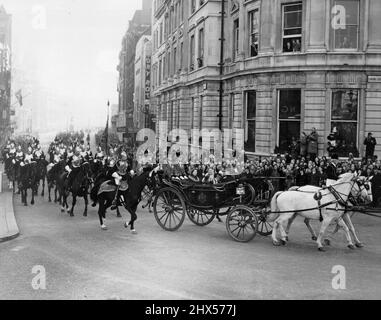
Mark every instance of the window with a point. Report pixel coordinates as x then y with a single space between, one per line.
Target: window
200 115
169 63
164 112
175 60
254 32
160 71
192 54
181 56
177 124
170 116
164 68
201 39
289 117
344 117
182 11
193 6
235 39
231 111
161 33
346 24
292 27
192 113
251 114
172 22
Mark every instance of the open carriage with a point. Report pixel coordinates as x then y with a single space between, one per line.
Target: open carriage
242 201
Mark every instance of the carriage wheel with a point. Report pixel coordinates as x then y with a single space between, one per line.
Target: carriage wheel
147 193
242 224
249 195
201 218
265 228
169 209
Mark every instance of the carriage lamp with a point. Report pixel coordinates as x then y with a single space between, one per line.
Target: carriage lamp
240 190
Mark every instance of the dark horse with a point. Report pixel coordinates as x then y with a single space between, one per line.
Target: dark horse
129 199
12 171
79 188
99 179
42 167
52 177
28 180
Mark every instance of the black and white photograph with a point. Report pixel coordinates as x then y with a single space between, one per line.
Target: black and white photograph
179 152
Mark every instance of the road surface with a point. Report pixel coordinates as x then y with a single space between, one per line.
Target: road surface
83 262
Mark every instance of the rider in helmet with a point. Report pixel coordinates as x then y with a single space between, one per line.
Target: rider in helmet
120 175
73 167
19 153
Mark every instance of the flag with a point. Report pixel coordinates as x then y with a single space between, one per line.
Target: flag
105 135
18 95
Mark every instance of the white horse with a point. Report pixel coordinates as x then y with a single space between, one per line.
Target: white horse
362 191
286 205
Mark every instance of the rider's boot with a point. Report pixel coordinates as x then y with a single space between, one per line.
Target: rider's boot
114 205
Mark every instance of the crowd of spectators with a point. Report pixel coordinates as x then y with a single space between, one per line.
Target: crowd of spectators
289 171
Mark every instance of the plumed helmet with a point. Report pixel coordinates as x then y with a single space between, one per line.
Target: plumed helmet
122 168
76 161
111 163
124 156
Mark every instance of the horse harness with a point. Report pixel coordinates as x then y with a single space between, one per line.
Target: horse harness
339 201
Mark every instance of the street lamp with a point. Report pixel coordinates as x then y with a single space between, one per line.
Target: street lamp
108 119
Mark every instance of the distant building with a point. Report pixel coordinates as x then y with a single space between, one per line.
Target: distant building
139 25
6 112
287 66
143 113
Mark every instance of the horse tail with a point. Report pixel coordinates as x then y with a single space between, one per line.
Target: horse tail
94 194
274 207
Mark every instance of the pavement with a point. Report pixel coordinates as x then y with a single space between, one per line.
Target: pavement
8 225
80 261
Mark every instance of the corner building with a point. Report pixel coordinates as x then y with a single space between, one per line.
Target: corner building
287 66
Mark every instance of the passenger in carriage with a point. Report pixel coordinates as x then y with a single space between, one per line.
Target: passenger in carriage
194 176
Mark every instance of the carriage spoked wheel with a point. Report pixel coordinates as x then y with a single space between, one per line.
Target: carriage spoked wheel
201 218
169 209
249 195
265 228
242 224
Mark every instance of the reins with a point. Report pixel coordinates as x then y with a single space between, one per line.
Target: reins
338 196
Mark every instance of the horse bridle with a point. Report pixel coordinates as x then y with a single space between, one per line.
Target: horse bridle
339 195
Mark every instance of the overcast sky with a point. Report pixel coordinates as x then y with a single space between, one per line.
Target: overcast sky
71 47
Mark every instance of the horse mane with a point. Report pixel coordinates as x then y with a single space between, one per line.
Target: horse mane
346 177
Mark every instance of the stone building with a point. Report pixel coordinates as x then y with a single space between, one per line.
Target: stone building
6 112
285 67
143 114
139 25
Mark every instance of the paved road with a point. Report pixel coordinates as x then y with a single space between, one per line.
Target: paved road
83 262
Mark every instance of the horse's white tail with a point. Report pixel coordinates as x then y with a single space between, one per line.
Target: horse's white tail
274 207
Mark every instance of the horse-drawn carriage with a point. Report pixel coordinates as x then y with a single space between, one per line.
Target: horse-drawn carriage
248 204
241 200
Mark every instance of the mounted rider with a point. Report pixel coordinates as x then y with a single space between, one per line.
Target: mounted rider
73 167
120 175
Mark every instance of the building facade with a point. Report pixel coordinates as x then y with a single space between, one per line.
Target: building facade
139 25
143 114
275 68
6 111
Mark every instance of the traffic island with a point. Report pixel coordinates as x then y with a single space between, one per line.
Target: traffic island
8 226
